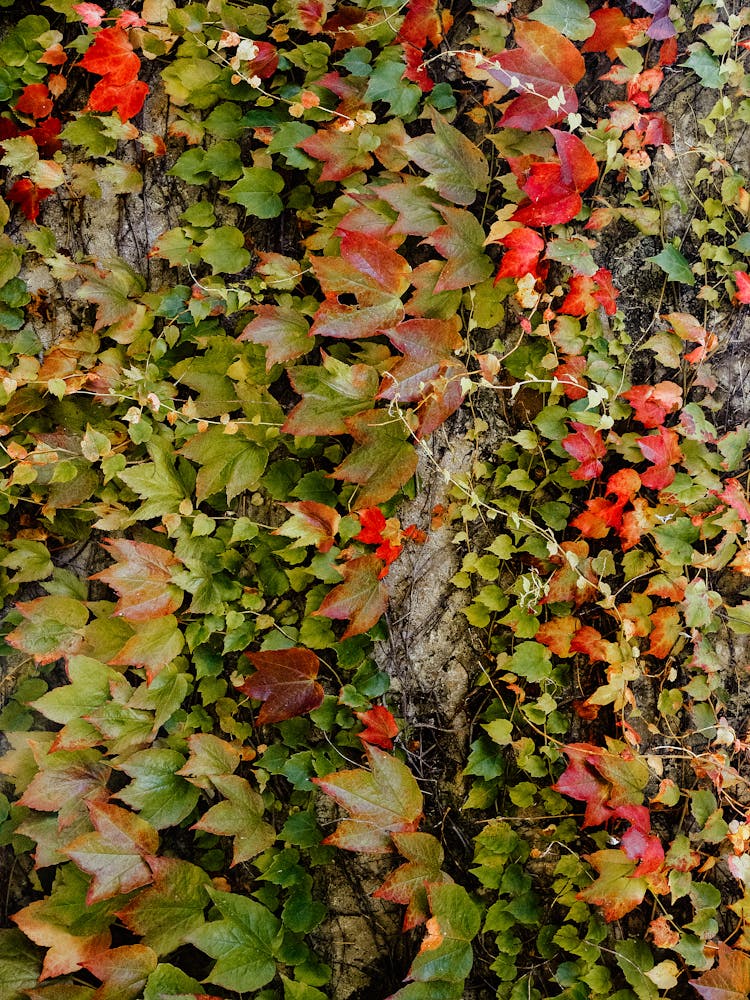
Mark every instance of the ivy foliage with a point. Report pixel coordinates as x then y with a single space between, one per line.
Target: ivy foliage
392 213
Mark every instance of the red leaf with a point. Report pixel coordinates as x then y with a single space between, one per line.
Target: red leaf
730 980
652 403
524 247
544 64
285 682
90 13
581 781
141 577
362 598
265 63
557 633
111 55
613 31
588 293
421 24
380 725
599 517
585 445
579 169
624 484
340 153
553 189
742 295
588 640
123 971
617 891
688 328
27 196
667 625
35 101
735 497
67 952
570 376
127 99
663 450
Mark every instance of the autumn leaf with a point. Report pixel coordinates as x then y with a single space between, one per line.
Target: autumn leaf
113 854
28 197
141 576
123 971
689 329
382 801
342 153
284 332
663 450
554 190
381 462
380 727
653 403
742 295
407 885
523 251
111 55
546 66
240 816
423 23
35 101
615 890
587 447
65 782
52 628
446 952
455 167
361 599
331 392
461 241
285 682
729 980
126 99
311 523
586 293
209 757
614 31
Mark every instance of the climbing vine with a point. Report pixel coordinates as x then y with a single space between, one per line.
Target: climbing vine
390 221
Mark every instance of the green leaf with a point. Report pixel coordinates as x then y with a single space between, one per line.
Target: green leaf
674 265
461 242
387 84
243 942
569 17
240 816
89 687
224 250
635 960
330 392
156 483
154 645
446 953
165 913
166 982
258 192
159 795
229 463
532 661
20 965
456 168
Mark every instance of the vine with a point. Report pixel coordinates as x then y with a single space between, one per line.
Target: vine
232 422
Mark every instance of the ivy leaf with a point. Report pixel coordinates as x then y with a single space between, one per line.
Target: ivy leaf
258 192
523 250
663 450
372 272
653 403
153 646
160 795
112 55
240 816
546 67
113 853
554 189
123 971
588 292
127 100
141 578
461 241
19 964
171 908
330 392
52 628
456 168
224 250
156 483
285 682
65 782
742 295
243 942
446 953
382 461
570 17
585 445
209 757
284 332
90 686
384 800
361 599
342 153
615 890
407 885
311 523
614 31
674 265
730 980
380 728
228 463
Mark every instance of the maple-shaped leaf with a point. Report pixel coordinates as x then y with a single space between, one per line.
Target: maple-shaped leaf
209 756
141 577
28 196
600 516
615 890
456 168
661 26
729 980
240 816
342 153
382 460
557 633
371 271
284 332
546 66
575 580
361 599
652 403
123 972
667 626
243 942
168 910
588 640
380 727
160 795
154 645
587 446
382 801
330 392
689 329
587 293
285 682
445 952
614 31
35 101
111 55
461 241
227 463
663 450
523 249
65 782
20 964
408 884
742 295
63 922
311 523
127 99
554 190
581 781
423 23
113 853
52 628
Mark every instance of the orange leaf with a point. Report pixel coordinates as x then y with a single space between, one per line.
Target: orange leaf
730 980
141 578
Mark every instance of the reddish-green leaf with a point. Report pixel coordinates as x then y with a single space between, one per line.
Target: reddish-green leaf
342 153
311 523
239 815
616 890
361 599
52 628
113 853
141 578
384 800
408 884
383 459
284 332
123 971
456 168
209 757
155 644
330 392
729 980
285 682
